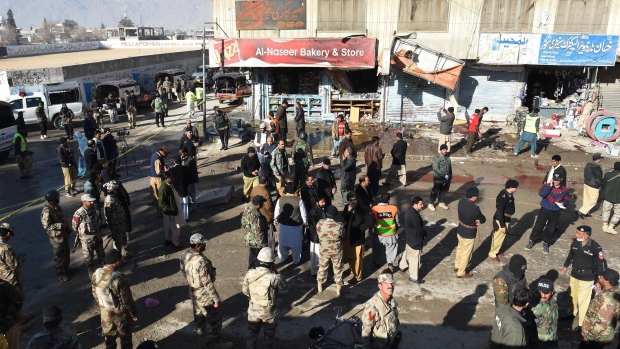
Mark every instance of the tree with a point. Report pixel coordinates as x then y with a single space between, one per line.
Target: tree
102 26
47 35
69 23
10 21
79 34
11 33
126 22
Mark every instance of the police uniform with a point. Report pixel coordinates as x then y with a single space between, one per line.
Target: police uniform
546 317
588 262
87 225
599 325
116 218
468 214
53 337
117 307
504 209
52 219
380 319
261 286
331 234
200 275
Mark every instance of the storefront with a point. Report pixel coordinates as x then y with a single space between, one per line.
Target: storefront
323 75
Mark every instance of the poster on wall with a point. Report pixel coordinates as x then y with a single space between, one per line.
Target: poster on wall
270 14
578 49
507 49
311 52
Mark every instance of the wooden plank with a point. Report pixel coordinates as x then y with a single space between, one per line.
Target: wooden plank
355 114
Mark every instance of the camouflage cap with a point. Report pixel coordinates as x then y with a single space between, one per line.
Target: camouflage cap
87 197
387 278
266 255
198 239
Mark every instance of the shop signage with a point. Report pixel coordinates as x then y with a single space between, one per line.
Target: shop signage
548 49
340 53
270 14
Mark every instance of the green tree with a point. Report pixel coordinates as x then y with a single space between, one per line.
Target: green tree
102 26
126 22
11 35
69 23
10 21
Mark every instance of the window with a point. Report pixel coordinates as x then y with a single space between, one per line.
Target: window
66 96
423 15
582 16
32 102
17 104
342 14
507 16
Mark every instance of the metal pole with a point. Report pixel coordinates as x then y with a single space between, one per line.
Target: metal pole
204 84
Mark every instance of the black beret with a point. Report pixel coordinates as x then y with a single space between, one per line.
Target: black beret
472 191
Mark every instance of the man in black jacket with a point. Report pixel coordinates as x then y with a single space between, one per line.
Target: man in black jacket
90 155
309 193
357 219
188 142
250 166
414 236
362 191
610 193
69 167
504 209
181 175
326 182
556 167
470 218
399 152
192 178
111 149
314 216
592 178
349 171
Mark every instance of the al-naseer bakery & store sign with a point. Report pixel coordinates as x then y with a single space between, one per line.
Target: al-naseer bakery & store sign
310 52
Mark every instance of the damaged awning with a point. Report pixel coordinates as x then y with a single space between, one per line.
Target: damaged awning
426 63
340 79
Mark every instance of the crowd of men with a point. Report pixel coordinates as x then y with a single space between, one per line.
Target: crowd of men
305 213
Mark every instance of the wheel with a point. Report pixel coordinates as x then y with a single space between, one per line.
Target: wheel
57 121
4 154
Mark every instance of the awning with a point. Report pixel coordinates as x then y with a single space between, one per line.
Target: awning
345 53
340 79
426 63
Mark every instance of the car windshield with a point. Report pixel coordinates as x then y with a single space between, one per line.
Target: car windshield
198 70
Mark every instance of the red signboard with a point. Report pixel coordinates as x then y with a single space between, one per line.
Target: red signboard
340 53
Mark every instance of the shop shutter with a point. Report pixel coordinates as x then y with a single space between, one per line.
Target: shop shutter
413 99
479 88
610 88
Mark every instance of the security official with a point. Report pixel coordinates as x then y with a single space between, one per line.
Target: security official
470 217
504 209
588 261
600 322
380 317
54 222
53 336
509 279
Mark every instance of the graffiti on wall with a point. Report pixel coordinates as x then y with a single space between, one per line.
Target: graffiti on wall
270 14
33 80
25 50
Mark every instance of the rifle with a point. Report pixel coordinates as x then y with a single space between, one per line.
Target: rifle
76 242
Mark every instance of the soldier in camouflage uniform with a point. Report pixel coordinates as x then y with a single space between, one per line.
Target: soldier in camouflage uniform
331 234
546 313
118 309
261 286
10 262
200 275
53 337
302 154
509 279
256 228
380 316
86 223
115 216
55 223
598 328
12 289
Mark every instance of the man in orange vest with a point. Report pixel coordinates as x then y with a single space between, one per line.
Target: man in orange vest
386 226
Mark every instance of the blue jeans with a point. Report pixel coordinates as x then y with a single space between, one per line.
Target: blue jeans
335 145
527 137
191 189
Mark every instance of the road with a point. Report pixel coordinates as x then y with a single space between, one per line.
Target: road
445 312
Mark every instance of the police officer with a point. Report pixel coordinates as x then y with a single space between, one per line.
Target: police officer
22 154
261 285
55 223
53 337
545 309
504 209
470 217
11 288
530 132
588 261
302 155
221 122
331 234
600 322
380 316
86 223
116 304
42 119
509 279
115 216
200 275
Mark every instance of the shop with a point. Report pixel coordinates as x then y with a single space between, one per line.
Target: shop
324 76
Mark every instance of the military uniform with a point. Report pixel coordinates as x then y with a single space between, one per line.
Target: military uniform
55 338
11 301
504 286
547 323
379 322
256 230
111 290
52 219
10 266
261 286
200 275
331 234
600 322
86 224
115 216
303 160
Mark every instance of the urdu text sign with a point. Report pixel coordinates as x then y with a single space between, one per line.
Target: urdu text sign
578 50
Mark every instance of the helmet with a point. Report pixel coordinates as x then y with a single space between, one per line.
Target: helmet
266 255
52 195
111 185
6 227
303 135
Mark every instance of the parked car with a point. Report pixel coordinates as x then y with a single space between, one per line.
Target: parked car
117 88
8 128
197 76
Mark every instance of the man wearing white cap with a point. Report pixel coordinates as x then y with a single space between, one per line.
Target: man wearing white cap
380 316
86 222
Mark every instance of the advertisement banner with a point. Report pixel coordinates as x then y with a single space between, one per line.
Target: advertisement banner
578 50
341 53
508 49
270 14
151 43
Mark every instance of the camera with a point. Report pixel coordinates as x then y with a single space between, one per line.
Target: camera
122 133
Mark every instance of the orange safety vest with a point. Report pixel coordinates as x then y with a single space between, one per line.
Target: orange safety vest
385 219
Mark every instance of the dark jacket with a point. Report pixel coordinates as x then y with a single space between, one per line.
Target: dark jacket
190 163
109 144
166 200
610 187
91 158
309 195
560 170
65 156
445 123
180 174
249 165
442 167
189 144
361 220
399 151
363 196
593 175
504 205
300 120
347 182
468 214
414 229
314 216
325 182
344 144
281 117
586 261
551 195
89 125
508 329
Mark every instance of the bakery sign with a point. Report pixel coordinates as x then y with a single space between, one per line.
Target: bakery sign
348 53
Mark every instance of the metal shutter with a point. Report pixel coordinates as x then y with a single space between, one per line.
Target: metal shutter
496 90
416 100
610 88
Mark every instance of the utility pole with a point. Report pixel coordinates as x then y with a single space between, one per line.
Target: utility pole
204 84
